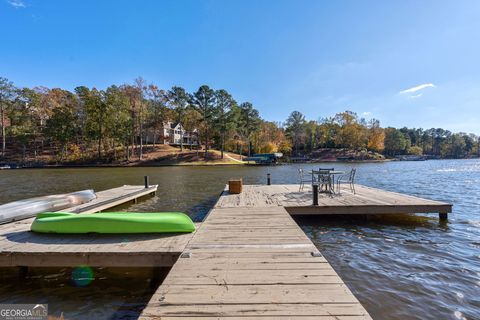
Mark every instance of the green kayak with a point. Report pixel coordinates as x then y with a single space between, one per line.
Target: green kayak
112 222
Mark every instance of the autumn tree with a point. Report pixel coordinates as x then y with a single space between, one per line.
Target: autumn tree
97 113
351 133
271 138
311 135
248 122
28 116
295 127
395 142
224 103
135 101
203 102
179 101
62 124
158 111
326 133
7 96
119 120
376 136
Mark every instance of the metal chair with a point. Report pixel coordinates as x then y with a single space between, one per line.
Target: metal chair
304 178
325 180
347 178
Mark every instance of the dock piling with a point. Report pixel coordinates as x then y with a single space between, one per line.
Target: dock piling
315 194
269 182
145 178
443 216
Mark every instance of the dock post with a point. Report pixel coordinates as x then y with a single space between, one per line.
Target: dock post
315 194
145 178
443 216
269 182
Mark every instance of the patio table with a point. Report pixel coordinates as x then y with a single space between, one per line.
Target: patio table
331 173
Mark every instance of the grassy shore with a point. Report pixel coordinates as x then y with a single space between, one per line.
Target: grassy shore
160 155
168 156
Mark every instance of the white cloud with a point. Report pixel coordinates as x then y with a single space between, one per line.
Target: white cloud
366 113
414 96
17 3
417 88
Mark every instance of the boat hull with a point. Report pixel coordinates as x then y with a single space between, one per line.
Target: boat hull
28 208
113 222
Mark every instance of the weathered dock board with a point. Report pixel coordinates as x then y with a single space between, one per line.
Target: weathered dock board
113 197
252 262
20 247
366 200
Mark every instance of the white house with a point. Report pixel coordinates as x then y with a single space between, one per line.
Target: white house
171 133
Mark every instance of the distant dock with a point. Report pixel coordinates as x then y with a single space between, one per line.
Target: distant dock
248 259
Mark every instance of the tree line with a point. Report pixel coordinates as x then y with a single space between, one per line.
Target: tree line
109 125
113 124
348 131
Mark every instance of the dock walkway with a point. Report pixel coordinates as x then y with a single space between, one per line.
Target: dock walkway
252 262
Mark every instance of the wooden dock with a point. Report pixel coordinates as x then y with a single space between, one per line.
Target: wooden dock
248 259
20 247
366 201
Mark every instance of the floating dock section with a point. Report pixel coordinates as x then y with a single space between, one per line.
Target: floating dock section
22 248
366 200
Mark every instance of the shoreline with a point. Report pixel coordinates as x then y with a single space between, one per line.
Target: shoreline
208 164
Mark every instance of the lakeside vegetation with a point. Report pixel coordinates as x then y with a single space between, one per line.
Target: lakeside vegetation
88 125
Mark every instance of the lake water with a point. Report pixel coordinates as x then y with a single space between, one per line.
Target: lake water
399 267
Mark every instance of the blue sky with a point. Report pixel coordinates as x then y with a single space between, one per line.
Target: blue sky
406 63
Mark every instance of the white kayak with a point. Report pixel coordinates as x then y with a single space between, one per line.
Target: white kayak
27 208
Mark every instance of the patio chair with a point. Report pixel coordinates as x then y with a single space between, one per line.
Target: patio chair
304 178
347 178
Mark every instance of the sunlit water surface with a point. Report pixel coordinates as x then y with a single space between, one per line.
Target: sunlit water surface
399 267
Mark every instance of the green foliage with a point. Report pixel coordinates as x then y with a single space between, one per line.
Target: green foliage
203 102
295 128
351 134
248 123
179 101
415 150
395 142
224 118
